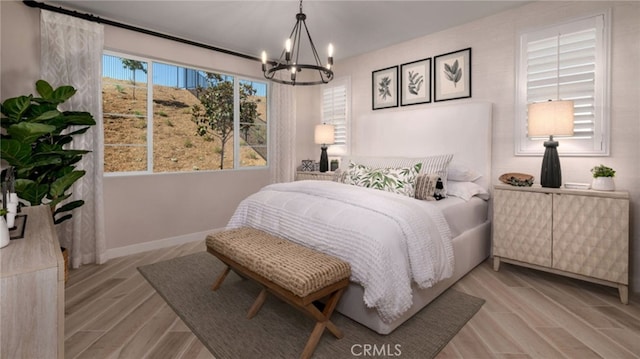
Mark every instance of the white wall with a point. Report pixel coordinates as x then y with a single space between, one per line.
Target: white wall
141 212
493 41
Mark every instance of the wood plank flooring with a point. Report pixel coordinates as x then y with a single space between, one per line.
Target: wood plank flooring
112 312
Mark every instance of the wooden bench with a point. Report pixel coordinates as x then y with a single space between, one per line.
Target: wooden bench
294 273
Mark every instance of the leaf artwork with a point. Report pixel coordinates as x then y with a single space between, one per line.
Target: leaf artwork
383 87
415 82
453 73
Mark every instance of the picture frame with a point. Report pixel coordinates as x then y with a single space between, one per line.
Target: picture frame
384 88
452 75
415 82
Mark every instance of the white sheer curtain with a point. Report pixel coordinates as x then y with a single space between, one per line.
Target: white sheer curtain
282 143
71 54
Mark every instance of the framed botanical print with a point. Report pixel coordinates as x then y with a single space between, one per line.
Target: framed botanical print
384 84
452 75
415 82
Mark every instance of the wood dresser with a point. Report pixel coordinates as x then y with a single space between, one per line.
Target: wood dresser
582 234
32 291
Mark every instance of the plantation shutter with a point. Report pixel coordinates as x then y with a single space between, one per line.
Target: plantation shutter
568 62
335 111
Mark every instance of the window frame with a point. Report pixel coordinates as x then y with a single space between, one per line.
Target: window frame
237 78
342 149
599 145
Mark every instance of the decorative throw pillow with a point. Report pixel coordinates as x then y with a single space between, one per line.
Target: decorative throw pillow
429 187
396 180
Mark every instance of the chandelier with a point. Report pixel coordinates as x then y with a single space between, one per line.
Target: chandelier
287 67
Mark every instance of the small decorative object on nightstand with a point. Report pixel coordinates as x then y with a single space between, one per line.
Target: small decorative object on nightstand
307 166
603 178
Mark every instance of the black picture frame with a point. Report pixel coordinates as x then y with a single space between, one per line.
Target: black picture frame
415 82
384 88
452 75
17 231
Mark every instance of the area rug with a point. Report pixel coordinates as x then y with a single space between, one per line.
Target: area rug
219 320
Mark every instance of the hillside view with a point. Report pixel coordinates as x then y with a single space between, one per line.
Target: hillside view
176 144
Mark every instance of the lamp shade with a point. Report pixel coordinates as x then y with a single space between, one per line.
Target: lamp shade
324 135
552 118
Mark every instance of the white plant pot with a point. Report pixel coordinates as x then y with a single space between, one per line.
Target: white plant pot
4 233
603 184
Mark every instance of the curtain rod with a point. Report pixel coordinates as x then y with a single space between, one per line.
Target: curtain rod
97 19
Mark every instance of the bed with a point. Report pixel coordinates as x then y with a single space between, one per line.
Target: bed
315 213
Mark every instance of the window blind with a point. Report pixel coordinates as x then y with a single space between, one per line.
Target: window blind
564 67
335 111
568 61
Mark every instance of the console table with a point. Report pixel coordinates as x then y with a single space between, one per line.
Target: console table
32 291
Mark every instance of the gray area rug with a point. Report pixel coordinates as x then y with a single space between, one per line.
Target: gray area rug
219 320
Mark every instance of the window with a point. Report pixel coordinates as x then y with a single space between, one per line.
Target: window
336 111
184 119
567 62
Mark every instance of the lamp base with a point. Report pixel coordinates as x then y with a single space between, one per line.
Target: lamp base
551 176
324 159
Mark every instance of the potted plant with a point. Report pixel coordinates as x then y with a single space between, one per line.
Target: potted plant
33 140
603 178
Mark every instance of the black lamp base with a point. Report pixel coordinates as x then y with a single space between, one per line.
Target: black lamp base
551 176
324 159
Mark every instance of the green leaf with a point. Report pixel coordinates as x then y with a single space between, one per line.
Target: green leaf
69 206
59 186
28 132
62 94
14 108
44 89
31 191
16 153
61 219
47 116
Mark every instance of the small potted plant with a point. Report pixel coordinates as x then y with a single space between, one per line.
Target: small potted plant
603 178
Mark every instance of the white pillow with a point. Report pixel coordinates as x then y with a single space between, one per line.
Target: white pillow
463 174
466 190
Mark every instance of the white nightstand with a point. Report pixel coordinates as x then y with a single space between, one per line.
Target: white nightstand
318 176
582 234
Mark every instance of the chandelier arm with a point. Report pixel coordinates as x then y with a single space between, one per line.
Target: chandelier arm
313 47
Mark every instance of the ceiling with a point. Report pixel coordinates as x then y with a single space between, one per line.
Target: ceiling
248 27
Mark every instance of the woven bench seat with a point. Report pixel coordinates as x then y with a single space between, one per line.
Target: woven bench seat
292 272
293 267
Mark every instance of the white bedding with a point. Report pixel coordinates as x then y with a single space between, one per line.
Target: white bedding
390 240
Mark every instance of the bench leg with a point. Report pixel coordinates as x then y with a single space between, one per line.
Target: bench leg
324 321
220 279
255 308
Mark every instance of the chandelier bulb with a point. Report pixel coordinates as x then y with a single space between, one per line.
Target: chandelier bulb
330 50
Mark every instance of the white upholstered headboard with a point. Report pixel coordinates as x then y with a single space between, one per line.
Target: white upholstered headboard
463 129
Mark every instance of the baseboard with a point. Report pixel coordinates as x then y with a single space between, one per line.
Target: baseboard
158 244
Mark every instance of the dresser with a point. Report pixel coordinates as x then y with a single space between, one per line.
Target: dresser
582 234
32 291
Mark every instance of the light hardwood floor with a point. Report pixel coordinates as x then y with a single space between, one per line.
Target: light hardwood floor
112 312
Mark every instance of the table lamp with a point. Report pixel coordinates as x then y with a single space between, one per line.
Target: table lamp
324 135
552 118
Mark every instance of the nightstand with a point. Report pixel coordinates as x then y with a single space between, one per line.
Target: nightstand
582 234
315 175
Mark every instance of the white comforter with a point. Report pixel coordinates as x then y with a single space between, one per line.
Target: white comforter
388 239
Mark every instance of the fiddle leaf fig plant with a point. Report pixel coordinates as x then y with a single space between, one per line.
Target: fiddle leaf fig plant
33 141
